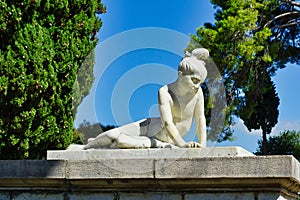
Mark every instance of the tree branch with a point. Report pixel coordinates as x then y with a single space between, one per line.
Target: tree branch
287 25
280 16
291 2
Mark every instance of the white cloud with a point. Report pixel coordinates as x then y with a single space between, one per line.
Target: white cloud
286 125
239 127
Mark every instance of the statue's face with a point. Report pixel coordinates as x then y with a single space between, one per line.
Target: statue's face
191 81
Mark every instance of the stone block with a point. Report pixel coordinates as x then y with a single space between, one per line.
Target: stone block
220 195
4 196
150 196
230 167
165 174
104 154
272 196
110 169
37 196
32 169
91 196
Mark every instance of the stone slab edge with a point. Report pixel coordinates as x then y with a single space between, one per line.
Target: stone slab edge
254 171
103 154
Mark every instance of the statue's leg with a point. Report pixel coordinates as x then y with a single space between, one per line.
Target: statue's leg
155 143
104 140
123 137
129 141
132 135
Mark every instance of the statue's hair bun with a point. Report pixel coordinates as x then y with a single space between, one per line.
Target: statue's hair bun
199 53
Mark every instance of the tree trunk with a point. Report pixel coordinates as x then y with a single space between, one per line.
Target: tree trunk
264 143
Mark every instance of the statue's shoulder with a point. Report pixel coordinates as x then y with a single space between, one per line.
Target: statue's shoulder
164 95
164 89
164 92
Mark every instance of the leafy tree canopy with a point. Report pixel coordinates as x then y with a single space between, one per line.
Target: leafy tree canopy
249 41
286 143
43 45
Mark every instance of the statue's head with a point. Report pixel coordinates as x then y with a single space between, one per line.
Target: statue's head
193 65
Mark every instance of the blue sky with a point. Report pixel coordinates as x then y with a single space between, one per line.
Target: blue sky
140 46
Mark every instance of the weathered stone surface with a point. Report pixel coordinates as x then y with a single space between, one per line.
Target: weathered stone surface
32 169
32 195
36 196
150 196
272 196
223 196
4 196
91 196
237 195
231 177
231 167
110 169
104 154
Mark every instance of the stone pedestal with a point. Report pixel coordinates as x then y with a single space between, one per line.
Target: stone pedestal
168 177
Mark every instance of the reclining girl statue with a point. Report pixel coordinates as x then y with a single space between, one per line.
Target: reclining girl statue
179 103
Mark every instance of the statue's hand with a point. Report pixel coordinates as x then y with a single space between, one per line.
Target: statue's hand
193 145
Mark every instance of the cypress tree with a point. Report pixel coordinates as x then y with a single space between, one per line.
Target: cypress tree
43 45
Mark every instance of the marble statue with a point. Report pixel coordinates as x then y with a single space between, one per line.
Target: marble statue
179 103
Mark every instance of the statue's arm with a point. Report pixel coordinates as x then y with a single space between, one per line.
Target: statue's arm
200 119
164 101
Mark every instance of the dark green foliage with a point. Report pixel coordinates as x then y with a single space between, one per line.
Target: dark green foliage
77 137
286 143
260 110
84 80
43 44
249 41
88 130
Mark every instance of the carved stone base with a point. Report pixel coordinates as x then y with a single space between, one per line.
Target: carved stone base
154 174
